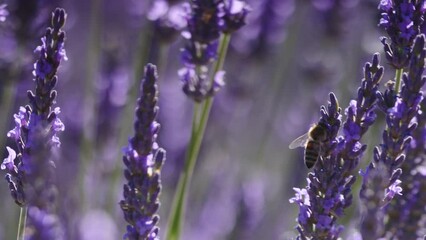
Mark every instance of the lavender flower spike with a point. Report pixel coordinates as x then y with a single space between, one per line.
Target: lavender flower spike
143 160
328 192
207 20
407 211
401 122
31 174
402 20
203 32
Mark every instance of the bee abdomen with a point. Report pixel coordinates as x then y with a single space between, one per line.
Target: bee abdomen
311 153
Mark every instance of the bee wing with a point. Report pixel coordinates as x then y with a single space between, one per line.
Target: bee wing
299 142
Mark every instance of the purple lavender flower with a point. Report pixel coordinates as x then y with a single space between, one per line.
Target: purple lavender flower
202 34
233 13
47 224
384 172
30 175
328 192
315 220
407 210
402 20
206 20
143 160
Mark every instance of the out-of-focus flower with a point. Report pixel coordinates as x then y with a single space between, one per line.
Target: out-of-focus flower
402 20
206 21
3 12
47 225
233 13
31 178
266 26
203 32
143 160
396 139
169 19
335 15
328 192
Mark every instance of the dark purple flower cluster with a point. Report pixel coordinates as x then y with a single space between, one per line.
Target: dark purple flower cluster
233 15
143 160
384 172
316 221
402 20
30 173
407 210
328 192
206 20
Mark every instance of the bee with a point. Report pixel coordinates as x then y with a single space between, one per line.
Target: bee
207 15
312 141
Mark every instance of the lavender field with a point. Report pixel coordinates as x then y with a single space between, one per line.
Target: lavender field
172 119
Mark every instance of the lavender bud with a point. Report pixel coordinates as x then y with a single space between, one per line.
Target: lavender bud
233 15
143 160
31 174
407 210
402 20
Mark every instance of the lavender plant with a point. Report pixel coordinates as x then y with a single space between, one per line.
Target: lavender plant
384 172
402 20
328 192
207 21
382 179
143 160
406 212
30 173
395 196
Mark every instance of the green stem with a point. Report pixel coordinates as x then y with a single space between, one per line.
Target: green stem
22 223
223 49
398 76
199 124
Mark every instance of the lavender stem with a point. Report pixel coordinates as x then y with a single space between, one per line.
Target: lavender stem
223 49
398 77
22 223
197 134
